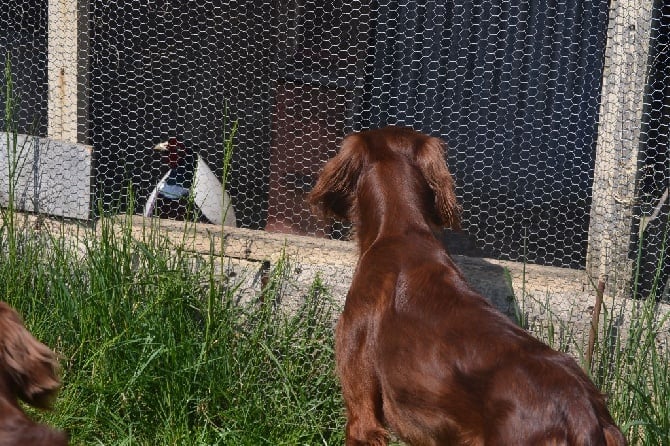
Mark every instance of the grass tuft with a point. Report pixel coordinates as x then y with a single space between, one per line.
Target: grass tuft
155 351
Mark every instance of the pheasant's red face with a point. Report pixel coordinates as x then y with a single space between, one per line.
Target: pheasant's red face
176 151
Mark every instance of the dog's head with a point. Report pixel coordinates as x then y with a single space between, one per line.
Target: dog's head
336 189
28 368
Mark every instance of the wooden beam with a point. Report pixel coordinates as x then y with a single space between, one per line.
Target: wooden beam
68 70
624 80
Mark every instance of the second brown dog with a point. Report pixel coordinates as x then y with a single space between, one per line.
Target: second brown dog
28 372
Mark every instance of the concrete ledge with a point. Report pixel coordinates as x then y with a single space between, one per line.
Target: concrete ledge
544 296
566 291
247 244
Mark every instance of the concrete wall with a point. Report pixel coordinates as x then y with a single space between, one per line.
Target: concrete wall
47 176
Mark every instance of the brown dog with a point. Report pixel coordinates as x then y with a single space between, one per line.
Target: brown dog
418 350
28 371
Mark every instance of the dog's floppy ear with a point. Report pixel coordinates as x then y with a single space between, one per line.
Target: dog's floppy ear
333 193
31 365
431 162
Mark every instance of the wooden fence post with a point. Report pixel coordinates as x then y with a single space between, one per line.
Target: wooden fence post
620 120
68 70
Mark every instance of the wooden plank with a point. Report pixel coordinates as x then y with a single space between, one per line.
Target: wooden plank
51 177
613 195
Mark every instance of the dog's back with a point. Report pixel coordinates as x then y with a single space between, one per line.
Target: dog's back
452 369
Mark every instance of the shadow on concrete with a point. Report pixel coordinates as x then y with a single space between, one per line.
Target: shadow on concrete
491 280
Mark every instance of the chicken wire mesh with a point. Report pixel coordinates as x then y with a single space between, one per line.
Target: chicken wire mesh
521 92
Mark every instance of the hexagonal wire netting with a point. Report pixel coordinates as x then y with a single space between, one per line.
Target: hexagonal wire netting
519 91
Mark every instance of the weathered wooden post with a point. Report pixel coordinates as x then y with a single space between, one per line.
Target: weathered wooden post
620 121
68 70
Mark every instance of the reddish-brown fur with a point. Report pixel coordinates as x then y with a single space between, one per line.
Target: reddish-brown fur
28 372
418 350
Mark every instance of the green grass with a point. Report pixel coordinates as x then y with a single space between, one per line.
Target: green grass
158 352
155 352
633 369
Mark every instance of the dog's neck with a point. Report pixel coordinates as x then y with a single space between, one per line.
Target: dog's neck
391 207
